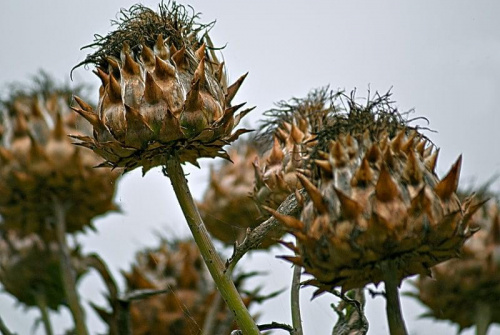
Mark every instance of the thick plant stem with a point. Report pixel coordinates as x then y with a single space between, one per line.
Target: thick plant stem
393 305
42 306
295 300
212 260
67 270
483 319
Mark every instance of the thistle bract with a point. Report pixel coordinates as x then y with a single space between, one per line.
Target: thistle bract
460 290
374 198
30 269
178 267
163 93
38 164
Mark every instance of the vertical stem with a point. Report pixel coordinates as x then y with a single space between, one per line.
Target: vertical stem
393 305
295 300
483 319
212 260
42 306
124 322
120 323
67 270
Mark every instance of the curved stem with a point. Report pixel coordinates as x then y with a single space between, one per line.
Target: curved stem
295 300
67 270
210 256
42 306
483 319
393 305
120 322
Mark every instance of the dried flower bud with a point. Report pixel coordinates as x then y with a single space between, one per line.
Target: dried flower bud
30 270
290 134
228 208
178 267
461 288
381 202
163 93
39 163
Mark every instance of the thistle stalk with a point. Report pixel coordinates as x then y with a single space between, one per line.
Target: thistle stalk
483 319
42 306
393 305
295 300
67 270
212 260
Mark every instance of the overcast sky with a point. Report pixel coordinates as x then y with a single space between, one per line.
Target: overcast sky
443 59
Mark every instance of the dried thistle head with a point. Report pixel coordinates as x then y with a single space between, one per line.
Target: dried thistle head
461 288
287 138
228 208
375 198
178 267
163 93
30 269
39 163
298 130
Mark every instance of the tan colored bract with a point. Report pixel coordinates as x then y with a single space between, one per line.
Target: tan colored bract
30 269
178 267
39 164
377 200
164 94
462 289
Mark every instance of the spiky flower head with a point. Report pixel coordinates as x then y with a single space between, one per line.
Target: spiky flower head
264 169
228 208
375 198
460 290
38 163
30 269
177 267
288 134
163 91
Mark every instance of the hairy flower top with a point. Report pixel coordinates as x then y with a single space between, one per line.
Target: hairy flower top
30 269
297 130
373 202
163 94
38 164
465 289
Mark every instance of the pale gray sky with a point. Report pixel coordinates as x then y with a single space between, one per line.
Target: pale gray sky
442 58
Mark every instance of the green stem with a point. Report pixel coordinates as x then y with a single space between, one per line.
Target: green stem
42 306
295 300
67 270
210 256
120 322
393 305
483 319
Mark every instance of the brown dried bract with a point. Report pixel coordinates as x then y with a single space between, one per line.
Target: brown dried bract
38 164
382 203
162 95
